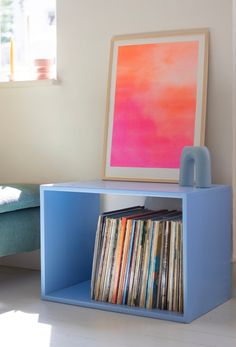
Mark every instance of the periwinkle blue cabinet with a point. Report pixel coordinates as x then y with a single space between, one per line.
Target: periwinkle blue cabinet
69 214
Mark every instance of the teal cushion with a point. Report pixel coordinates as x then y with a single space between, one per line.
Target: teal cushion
19 231
18 196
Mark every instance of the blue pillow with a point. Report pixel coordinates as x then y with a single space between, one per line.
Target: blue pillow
18 196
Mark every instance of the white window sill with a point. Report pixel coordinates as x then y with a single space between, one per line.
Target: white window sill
33 83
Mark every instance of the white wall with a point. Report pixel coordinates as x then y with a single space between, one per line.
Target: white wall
234 124
55 133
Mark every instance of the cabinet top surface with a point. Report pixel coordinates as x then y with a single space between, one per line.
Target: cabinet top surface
100 186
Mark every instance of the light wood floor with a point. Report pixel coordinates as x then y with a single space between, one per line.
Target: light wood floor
25 320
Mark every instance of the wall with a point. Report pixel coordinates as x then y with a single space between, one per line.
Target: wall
55 133
234 124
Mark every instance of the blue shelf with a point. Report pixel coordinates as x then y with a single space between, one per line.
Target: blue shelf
79 295
127 188
69 213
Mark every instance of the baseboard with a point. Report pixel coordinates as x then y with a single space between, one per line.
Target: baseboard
28 260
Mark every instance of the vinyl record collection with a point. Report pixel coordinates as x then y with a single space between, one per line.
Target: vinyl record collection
138 259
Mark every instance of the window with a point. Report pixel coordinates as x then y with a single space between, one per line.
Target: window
27 40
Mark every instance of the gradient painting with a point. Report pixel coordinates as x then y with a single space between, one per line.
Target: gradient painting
154 104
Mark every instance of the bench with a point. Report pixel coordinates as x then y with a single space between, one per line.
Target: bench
19 218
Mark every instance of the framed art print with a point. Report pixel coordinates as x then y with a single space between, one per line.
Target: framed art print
156 103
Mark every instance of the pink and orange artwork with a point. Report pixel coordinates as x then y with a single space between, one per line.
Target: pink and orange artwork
155 98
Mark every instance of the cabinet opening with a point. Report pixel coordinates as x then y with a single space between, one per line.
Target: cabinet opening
138 254
72 222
